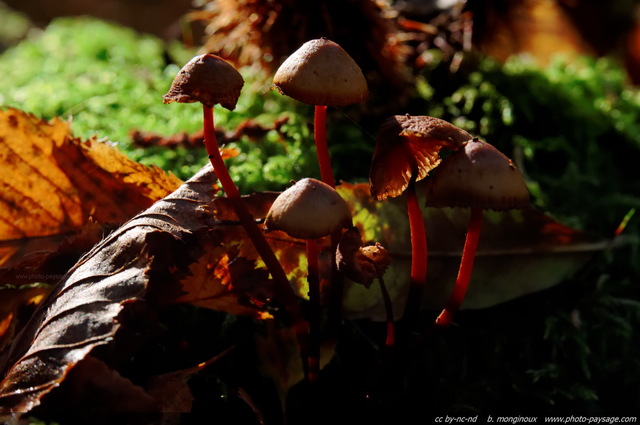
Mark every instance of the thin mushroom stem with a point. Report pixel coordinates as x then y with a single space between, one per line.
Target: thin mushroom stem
418 248
322 149
326 174
466 265
391 331
313 278
282 286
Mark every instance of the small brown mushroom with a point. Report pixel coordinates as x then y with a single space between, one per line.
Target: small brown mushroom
479 177
322 73
207 79
210 80
309 210
407 148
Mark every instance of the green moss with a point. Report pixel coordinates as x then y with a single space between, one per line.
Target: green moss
109 80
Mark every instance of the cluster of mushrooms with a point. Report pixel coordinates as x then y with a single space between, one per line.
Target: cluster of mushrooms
473 175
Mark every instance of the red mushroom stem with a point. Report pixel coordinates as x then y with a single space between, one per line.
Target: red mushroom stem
418 248
466 265
322 149
326 174
282 286
391 329
313 278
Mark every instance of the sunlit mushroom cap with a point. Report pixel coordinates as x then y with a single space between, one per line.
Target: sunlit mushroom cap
309 209
409 145
477 176
207 79
320 72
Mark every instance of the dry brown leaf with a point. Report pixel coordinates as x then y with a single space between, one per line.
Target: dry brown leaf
220 280
82 310
46 260
52 183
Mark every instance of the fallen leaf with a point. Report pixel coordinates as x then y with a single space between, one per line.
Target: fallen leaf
38 262
82 310
52 183
223 281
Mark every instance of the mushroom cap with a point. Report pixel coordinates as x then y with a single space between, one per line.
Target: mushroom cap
479 175
309 209
208 79
407 146
321 72
368 263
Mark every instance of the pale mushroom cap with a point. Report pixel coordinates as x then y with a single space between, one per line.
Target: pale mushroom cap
320 72
477 176
208 79
408 145
309 209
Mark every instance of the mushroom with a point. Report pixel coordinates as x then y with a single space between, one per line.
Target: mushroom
364 263
478 177
407 148
310 210
321 73
210 80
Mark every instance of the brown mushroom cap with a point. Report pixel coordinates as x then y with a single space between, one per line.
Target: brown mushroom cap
320 72
477 176
362 264
207 79
408 145
309 209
